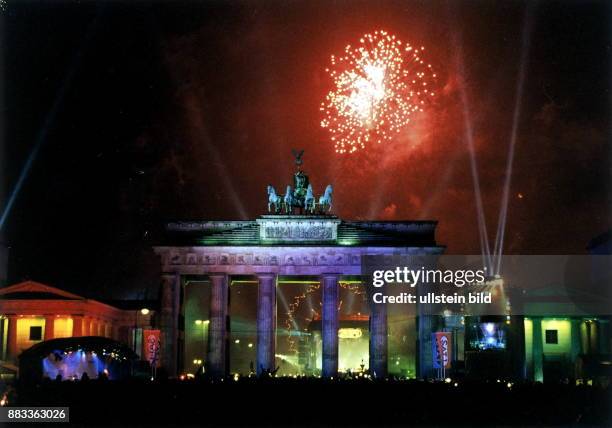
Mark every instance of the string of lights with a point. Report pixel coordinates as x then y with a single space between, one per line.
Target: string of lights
290 322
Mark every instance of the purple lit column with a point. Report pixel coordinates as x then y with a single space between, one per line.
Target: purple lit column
217 328
330 324
378 340
266 322
169 322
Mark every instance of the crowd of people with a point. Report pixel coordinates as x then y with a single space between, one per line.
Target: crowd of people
297 400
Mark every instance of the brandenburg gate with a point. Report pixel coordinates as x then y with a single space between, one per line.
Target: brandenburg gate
300 238
321 247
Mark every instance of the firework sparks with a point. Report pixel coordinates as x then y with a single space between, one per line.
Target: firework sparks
378 87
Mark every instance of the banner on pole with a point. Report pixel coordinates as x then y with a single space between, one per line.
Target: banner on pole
151 346
441 347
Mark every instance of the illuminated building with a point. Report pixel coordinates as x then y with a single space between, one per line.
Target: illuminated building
32 312
559 347
266 267
287 294
573 343
269 295
272 298
251 302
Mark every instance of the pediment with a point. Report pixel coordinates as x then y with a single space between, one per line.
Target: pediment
36 290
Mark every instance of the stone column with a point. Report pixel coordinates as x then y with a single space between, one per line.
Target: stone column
538 350
593 337
516 333
217 327
85 328
604 334
3 324
584 336
425 327
170 294
77 326
330 324
49 327
517 327
515 344
266 322
11 340
378 340
576 348
427 324
90 327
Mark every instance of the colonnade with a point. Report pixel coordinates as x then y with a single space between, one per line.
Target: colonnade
587 337
216 359
81 326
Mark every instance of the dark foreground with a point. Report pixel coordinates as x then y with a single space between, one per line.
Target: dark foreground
304 402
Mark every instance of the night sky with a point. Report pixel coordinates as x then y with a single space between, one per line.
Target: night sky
147 112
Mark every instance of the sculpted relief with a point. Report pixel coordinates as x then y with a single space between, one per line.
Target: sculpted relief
306 258
315 233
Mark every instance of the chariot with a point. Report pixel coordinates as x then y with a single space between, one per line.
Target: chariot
300 197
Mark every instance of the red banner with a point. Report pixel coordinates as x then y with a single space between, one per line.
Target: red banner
441 349
151 345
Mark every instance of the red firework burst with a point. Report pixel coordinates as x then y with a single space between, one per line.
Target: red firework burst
378 87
